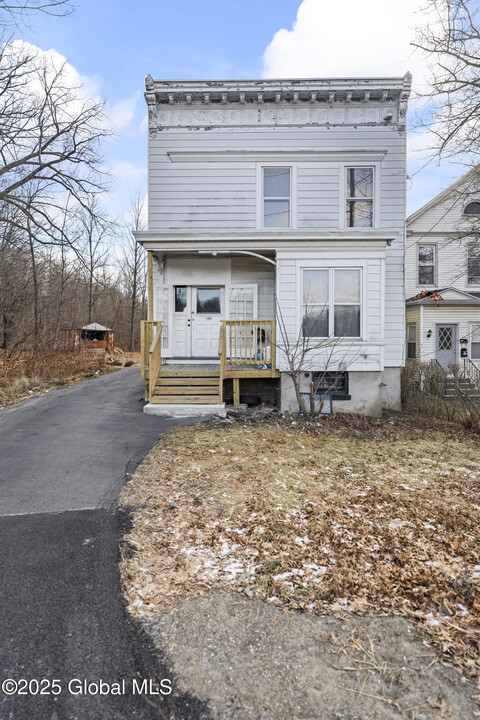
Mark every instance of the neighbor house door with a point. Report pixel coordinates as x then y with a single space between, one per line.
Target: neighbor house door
446 345
198 314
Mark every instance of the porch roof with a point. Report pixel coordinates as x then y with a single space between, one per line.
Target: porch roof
181 240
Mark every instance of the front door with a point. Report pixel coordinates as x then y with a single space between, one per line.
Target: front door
446 345
198 313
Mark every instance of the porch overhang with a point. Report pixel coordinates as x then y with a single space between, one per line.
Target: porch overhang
259 240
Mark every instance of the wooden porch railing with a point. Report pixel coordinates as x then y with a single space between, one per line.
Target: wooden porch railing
154 362
249 343
150 331
147 334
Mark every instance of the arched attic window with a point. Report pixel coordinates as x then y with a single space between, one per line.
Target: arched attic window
473 208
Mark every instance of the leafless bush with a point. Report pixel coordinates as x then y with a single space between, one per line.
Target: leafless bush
451 393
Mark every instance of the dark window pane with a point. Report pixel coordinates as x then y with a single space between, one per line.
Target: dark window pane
346 321
276 213
359 213
472 208
475 350
276 182
425 254
360 182
180 299
315 322
208 300
411 351
474 265
425 275
335 383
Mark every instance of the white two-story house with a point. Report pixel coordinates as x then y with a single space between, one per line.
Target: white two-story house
276 220
443 276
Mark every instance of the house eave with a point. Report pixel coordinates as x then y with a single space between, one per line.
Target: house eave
258 239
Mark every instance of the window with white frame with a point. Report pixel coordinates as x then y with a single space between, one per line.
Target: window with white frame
277 200
359 196
242 302
473 265
412 341
475 341
331 305
426 264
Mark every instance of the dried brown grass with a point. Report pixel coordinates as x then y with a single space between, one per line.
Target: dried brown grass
31 373
337 515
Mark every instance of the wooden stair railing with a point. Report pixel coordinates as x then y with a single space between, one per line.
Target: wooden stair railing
154 362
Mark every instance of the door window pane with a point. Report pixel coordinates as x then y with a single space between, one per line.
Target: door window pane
208 300
445 337
180 299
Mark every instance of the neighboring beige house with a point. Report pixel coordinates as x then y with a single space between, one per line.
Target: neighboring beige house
443 256
276 211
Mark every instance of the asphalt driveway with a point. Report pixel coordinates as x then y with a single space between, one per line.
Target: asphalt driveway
63 460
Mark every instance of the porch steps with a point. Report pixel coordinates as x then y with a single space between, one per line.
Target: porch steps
187 386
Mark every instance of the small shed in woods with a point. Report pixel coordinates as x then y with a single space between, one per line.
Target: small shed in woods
89 337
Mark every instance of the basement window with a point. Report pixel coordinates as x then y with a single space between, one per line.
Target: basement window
334 384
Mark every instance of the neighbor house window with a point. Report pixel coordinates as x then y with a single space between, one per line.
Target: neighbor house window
426 264
472 208
331 302
276 197
475 342
359 195
412 341
473 264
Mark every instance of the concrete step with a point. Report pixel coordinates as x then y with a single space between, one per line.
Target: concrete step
186 399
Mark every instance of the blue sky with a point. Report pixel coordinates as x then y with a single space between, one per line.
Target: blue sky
115 43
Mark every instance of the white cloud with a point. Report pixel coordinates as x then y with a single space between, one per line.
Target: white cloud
347 38
122 113
124 170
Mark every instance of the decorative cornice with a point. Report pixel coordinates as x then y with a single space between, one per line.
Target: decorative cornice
224 103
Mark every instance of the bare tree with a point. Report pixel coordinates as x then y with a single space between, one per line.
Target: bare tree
315 366
451 41
133 263
14 12
50 137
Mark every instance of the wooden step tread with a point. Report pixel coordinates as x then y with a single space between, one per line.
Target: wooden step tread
187 399
189 373
186 390
188 380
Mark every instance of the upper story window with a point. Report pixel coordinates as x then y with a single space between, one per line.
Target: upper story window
473 208
332 302
473 265
277 201
426 264
359 195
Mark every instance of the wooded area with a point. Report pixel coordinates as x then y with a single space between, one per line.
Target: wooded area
63 262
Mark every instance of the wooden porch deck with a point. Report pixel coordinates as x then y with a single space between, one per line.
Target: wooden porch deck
239 357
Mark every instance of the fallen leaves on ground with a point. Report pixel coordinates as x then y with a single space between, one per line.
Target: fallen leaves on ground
341 514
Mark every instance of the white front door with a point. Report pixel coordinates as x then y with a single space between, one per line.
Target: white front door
197 317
